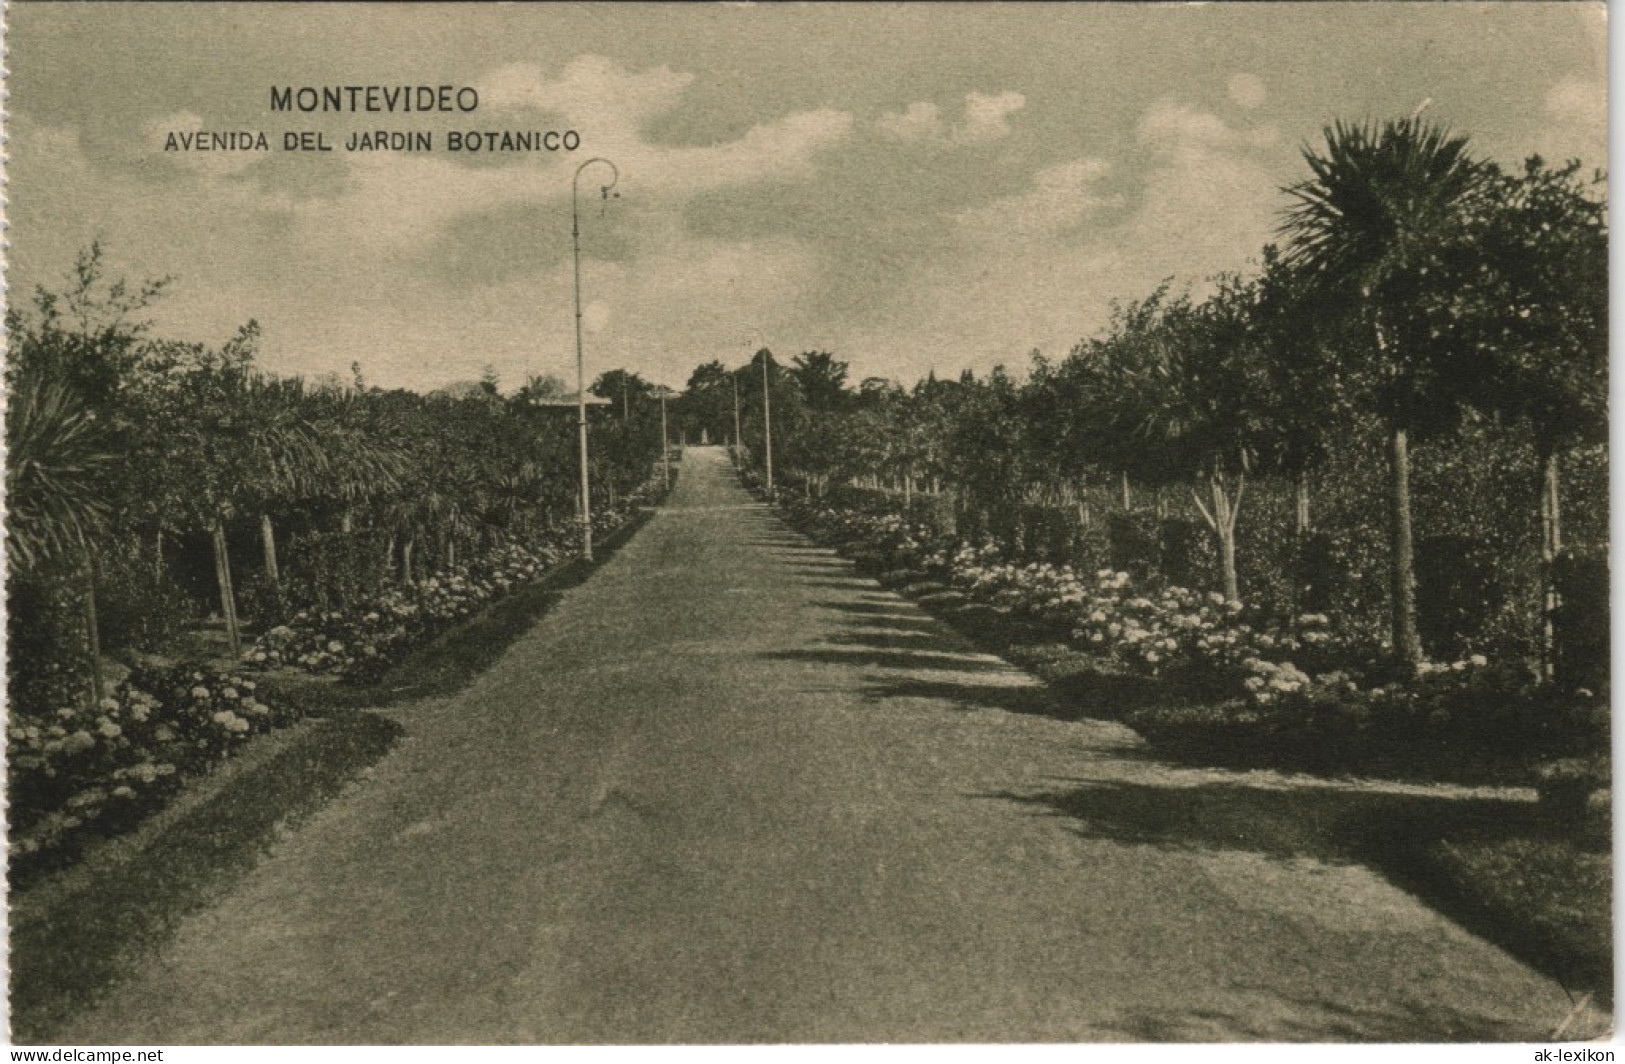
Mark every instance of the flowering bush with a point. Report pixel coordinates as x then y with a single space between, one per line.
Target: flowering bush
72 766
78 764
361 641
1250 671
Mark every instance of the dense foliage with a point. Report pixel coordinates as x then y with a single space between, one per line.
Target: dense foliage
175 510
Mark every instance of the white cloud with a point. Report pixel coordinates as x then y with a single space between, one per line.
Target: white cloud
920 121
1246 91
1579 101
1572 124
1060 198
1178 127
1577 110
987 119
592 93
1039 269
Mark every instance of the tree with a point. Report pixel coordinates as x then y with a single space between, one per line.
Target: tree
1199 390
1383 212
821 378
624 388
58 462
543 388
1533 300
1302 362
707 404
71 363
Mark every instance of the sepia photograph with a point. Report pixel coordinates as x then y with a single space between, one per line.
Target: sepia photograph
811 525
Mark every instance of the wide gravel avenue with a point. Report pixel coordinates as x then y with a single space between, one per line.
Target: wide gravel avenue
729 790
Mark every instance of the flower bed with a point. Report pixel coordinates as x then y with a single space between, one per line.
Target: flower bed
1231 678
74 768
112 763
359 643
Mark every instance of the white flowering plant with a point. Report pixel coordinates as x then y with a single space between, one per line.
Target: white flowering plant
81 765
360 641
1218 650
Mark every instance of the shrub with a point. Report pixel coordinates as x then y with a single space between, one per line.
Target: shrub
76 765
360 637
139 608
336 569
1581 623
1234 670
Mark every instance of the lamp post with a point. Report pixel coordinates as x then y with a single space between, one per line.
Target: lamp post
581 364
767 422
736 418
665 442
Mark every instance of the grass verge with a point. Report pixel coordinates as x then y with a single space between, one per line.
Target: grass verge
1539 887
72 936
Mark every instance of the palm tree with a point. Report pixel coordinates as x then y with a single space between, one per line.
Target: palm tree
57 458
1385 207
57 464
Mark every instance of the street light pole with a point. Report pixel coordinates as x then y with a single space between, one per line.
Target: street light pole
767 423
665 444
736 418
581 363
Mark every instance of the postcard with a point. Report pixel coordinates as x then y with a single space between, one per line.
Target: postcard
817 525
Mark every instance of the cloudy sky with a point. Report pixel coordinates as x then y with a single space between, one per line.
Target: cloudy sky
911 188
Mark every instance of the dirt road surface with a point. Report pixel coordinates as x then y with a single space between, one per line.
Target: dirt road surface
731 791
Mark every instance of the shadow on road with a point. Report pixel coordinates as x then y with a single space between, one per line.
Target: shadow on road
1332 823
1386 830
901 639
907 661
838 583
891 614
1033 700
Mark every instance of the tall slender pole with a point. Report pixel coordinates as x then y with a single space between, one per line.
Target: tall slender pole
581 362
767 424
736 417
665 444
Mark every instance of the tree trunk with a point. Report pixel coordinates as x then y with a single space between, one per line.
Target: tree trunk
93 635
406 559
1551 547
1221 518
158 555
1402 558
268 539
1301 524
1128 496
1227 563
347 522
228 601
